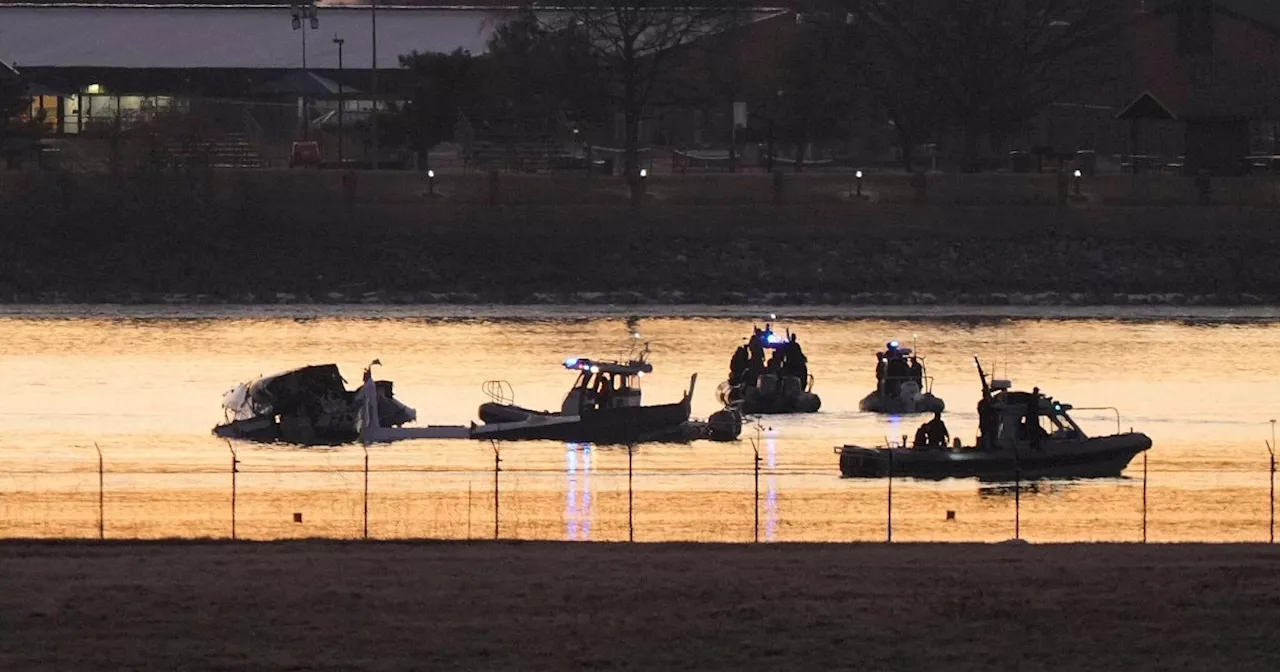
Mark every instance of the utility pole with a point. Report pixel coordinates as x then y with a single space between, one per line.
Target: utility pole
303 13
373 4
341 101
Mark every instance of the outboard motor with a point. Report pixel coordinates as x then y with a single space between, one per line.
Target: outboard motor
909 394
767 383
791 386
725 425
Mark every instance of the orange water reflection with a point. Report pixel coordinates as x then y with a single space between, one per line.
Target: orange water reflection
146 389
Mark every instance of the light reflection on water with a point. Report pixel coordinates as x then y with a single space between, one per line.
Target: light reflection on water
146 388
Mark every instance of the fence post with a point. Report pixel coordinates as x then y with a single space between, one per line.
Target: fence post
366 491
102 521
468 510
755 450
1144 496
631 525
889 521
1272 496
1271 448
497 468
234 470
1017 502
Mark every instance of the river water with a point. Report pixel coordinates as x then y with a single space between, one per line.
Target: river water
143 385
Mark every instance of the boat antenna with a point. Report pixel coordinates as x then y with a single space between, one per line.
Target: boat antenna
986 388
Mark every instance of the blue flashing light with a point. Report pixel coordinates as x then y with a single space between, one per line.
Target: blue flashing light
570 363
893 344
774 338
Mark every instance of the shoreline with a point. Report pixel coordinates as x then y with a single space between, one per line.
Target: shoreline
454 311
570 605
979 300
624 301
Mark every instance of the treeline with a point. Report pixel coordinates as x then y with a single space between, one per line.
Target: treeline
971 70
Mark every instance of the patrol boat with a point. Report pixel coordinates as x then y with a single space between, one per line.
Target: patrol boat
1009 446
756 389
603 406
901 388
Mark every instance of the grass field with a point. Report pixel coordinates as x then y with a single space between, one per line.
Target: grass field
480 606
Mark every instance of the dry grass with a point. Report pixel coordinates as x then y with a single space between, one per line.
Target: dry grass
334 605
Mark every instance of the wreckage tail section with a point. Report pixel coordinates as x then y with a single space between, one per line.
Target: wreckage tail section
367 421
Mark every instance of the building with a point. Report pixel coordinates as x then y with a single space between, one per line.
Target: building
249 70
110 64
1193 89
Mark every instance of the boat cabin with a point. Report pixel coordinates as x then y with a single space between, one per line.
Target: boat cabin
1009 414
604 385
897 365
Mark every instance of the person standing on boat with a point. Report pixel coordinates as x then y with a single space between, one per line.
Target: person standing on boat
897 372
796 363
738 365
936 433
775 361
988 424
917 372
755 359
1033 418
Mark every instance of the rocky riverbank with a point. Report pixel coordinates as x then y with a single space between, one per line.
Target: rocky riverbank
134 244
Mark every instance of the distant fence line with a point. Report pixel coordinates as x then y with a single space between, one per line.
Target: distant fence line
118 504
448 187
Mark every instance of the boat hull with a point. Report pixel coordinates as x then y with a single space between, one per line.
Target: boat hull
1100 457
891 405
611 426
784 400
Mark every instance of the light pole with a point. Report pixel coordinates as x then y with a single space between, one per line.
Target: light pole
303 13
341 102
373 14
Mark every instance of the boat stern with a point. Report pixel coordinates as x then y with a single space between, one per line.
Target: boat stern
858 462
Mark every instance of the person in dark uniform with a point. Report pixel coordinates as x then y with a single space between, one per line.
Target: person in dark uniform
1033 418
776 362
755 359
936 431
797 364
897 372
988 425
922 437
917 372
933 434
738 365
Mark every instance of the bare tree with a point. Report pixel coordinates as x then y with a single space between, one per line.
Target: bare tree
985 65
631 41
14 100
816 92
445 85
545 78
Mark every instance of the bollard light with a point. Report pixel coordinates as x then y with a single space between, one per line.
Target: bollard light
431 182
644 173
858 175
1078 176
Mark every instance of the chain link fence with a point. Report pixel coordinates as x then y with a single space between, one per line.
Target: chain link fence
616 494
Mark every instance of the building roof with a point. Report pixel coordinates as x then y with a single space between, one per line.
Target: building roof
1146 106
230 37
1266 12
238 36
